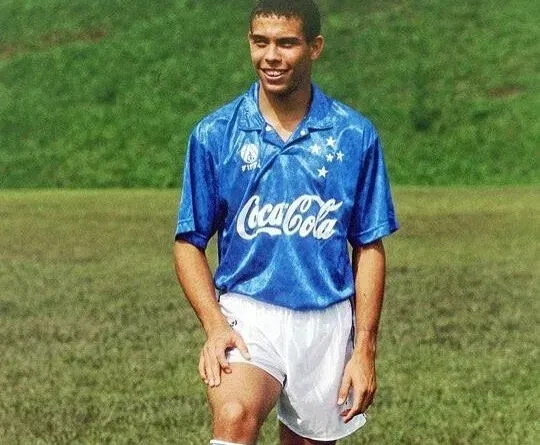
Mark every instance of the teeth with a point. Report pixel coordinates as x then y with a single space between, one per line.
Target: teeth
273 73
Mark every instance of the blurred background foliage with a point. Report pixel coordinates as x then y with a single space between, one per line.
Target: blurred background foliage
103 93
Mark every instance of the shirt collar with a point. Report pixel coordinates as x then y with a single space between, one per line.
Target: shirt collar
317 118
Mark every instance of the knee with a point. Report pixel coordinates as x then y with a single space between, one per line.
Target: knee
236 419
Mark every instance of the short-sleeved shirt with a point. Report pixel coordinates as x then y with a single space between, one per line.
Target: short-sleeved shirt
284 210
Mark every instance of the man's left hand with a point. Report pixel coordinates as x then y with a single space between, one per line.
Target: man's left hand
359 376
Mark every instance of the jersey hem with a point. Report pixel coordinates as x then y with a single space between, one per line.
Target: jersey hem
299 309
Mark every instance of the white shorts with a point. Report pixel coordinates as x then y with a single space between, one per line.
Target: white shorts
306 351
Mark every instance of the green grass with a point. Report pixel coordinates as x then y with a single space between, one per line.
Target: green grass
99 347
98 93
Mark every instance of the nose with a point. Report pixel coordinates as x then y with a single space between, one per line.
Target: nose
272 54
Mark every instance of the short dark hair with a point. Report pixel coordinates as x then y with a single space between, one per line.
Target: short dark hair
305 10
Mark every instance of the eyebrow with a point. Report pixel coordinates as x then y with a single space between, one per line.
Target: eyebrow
286 39
289 40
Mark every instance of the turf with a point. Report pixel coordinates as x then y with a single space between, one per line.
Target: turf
100 93
99 347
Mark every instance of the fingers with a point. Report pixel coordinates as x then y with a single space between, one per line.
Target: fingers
361 402
222 360
242 347
238 341
363 393
212 366
355 408
202 369
367 398
214 358
346 383
346 386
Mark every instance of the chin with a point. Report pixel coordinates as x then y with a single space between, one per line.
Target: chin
277 90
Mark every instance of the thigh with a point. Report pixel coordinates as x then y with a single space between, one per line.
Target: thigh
245 396
288 437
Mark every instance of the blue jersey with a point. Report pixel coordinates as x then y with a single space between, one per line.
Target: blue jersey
284 210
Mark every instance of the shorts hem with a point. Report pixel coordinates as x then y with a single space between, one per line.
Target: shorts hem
261 366
324 439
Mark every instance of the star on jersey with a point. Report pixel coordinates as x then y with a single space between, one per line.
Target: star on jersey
327 150
322 172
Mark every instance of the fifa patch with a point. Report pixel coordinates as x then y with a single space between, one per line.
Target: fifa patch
250 154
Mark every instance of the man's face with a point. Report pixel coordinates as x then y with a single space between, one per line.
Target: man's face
281 55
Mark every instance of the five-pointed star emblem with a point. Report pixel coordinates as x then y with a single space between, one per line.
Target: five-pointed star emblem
331 156
322 172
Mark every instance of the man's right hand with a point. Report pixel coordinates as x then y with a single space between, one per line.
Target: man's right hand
213 354
194 275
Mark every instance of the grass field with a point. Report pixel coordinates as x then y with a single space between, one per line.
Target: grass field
103 93
99 347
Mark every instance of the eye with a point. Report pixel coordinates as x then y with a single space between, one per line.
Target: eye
288 43
258 42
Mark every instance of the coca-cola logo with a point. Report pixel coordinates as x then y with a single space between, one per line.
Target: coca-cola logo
307 215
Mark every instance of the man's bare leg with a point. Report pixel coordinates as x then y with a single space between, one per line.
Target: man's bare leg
241 403
287 437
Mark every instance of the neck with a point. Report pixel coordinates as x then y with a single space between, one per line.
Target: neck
285 112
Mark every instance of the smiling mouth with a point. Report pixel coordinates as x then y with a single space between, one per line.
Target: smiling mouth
273 73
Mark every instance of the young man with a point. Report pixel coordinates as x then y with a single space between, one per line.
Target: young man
285 176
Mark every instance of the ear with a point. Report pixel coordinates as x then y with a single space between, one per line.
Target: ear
316 47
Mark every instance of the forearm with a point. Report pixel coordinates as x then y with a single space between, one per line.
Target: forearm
195 277
369 264
369 270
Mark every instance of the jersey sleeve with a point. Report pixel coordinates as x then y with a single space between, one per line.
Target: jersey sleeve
197 214
373 214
